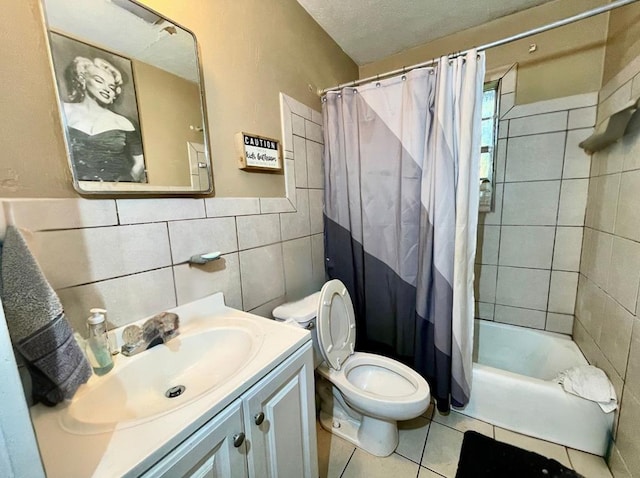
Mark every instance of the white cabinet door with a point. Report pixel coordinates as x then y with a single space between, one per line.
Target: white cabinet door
279 416
210 452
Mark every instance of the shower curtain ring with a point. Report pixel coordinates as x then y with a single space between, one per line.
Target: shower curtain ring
377 81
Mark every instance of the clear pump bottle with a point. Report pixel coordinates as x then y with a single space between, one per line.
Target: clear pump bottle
97 345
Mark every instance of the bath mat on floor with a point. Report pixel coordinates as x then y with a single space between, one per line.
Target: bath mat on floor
484 457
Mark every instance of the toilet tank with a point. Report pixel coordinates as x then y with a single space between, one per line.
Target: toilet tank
303 314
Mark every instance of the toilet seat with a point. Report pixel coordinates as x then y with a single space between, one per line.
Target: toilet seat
336 324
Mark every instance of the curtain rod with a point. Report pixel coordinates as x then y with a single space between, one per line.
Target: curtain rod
519 36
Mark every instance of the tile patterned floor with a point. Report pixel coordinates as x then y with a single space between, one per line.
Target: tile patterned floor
429 448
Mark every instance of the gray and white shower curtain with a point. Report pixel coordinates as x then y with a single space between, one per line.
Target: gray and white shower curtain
401 202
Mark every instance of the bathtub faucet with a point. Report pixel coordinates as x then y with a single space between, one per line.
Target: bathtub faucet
155 331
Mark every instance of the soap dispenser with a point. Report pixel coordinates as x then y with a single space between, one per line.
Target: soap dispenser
98 350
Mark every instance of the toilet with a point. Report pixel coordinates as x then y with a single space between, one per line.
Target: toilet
362 396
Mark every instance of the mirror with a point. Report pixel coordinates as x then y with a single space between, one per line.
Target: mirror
131 98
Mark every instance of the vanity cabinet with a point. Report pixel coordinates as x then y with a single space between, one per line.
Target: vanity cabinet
269 431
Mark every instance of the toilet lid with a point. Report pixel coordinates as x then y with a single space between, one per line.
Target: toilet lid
336 324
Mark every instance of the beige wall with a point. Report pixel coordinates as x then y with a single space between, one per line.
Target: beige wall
250 51
34 162
568 60
167 103
623 42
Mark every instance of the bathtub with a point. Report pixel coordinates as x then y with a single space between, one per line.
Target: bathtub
512 387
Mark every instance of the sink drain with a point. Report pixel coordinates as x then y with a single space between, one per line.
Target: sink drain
174 392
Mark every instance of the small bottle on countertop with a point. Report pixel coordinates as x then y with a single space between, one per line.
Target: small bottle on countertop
97 345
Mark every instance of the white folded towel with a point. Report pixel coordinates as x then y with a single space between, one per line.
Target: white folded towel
591 383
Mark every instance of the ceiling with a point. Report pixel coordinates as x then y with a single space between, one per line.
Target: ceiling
369 30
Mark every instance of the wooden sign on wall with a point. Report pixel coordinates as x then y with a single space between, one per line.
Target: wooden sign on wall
258 153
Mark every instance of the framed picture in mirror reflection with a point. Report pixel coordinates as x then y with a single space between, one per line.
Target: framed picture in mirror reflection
100 108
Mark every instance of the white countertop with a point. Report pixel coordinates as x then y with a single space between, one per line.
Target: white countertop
129 451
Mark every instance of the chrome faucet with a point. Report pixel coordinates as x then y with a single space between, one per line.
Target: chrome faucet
159 329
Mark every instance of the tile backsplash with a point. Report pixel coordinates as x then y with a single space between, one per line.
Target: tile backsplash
130 255
528 253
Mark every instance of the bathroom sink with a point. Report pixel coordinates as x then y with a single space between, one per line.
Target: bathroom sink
166 377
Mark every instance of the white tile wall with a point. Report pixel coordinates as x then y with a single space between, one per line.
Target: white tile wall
590 306
562 293
582 117
526 288
503 128
218 207
531 203
313 131
300 151
276 205
573 202
298 268
567 247
485 310
201 236
80 256
507 101
615 336
542 123
134 211
43 215
494 217
318 261
560 323
487 245
535 157
628 212
258 230
297 122
290 183
196 281
602 246
297 224
534 319
630 147
557 104
262 275
316 204
624 272
129 255
605 201
526 246
485 283
315 171
126 298
501 160
576 161
536 228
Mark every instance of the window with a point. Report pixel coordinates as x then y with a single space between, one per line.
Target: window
488 144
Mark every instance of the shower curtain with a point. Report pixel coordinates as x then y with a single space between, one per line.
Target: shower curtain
401 202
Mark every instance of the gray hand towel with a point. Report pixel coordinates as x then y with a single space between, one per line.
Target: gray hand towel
38 328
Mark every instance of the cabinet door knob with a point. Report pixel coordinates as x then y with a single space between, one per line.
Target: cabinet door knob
238 439
258 418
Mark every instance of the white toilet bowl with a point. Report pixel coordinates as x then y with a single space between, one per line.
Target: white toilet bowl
366 394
